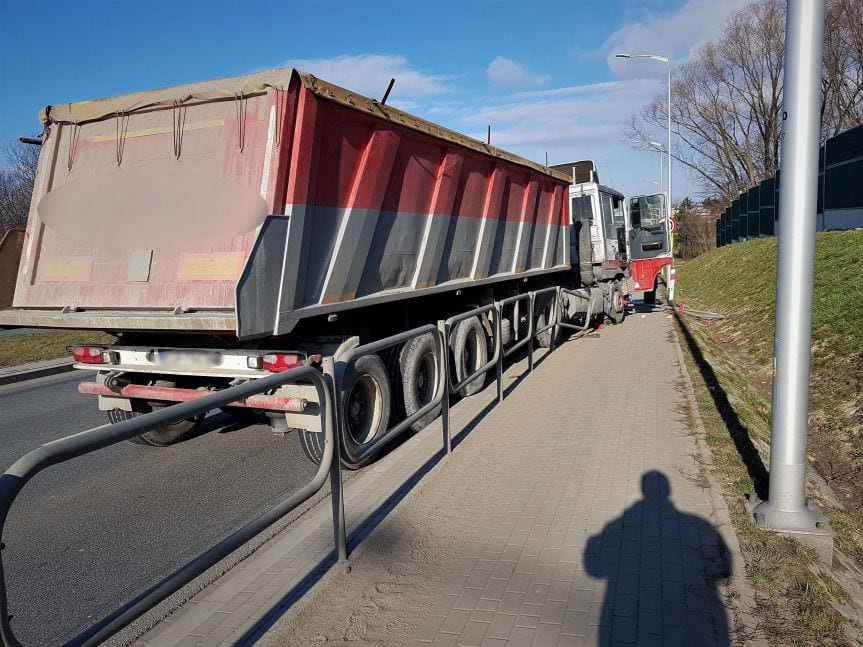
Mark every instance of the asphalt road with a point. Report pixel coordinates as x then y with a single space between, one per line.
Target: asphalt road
88 535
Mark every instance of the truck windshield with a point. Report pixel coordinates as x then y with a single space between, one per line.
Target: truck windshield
647 210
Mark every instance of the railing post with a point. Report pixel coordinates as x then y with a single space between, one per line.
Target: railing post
444 403
555 313
498 344
332 378
530 304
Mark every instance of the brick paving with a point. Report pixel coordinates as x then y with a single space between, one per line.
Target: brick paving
600 529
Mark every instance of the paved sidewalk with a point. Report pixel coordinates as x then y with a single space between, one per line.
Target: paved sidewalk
575 513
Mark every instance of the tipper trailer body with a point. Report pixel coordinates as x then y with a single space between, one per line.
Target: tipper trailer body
235 227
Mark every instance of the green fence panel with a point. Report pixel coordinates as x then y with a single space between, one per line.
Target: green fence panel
754 212
766 196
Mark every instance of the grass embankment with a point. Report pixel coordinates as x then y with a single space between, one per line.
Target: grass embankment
19 349
731 365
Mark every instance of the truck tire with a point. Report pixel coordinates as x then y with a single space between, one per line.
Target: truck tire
419 375
366 405
505 332
650 297
312 443
163 436
617 308
470 351
543 339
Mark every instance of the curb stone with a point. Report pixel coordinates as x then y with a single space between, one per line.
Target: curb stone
737 584
31 370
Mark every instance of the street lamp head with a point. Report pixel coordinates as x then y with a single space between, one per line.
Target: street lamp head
655 57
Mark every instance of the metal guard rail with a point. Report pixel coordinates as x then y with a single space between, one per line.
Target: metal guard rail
64 449
329 388
374 347
528 338
591 299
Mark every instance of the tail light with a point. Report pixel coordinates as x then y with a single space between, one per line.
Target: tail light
89 354
278 362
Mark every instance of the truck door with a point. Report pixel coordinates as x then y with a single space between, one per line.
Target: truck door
648 233
613 227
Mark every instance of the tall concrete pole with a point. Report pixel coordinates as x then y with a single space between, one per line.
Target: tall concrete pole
786 508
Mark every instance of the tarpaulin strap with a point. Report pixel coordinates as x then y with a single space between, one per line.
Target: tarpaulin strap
240 104
178 122
122 127
73 145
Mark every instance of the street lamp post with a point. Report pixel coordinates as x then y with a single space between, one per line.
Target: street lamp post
787 509
660 150
665 60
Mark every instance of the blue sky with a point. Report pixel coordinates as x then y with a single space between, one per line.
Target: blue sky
541 73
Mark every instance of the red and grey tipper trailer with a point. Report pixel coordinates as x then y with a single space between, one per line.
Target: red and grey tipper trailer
229 229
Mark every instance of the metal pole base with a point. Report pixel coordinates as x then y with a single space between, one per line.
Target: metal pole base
807 525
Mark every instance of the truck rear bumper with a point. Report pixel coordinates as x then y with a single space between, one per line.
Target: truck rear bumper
212 321
172 394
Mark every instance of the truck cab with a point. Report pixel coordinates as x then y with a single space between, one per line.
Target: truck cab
598 221
598 250
649 242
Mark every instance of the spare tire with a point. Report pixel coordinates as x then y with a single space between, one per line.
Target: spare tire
419 375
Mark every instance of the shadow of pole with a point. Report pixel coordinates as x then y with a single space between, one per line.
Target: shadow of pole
739 434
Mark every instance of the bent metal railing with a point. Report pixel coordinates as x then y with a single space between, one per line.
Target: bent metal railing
580 329
354 354
445 327
329 386
64 449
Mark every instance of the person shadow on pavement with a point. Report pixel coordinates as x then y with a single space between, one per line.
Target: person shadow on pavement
662 569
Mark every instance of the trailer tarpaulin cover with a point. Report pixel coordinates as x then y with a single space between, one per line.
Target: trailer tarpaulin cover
247 204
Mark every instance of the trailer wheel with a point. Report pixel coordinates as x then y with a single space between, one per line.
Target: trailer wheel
313 443
650 297
163 436
543 339
365 406
419 376
470 352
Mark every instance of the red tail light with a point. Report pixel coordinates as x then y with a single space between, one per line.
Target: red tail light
88 354
278 362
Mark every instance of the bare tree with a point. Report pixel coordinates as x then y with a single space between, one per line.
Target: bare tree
16 184
842 81
727 99
696 228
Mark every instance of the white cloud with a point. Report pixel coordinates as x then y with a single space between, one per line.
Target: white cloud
369 74
504 72
675 34
569 123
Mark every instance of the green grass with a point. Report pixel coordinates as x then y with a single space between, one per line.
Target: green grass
31 348
739 281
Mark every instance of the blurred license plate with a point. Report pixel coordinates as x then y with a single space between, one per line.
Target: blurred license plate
186 358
